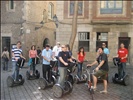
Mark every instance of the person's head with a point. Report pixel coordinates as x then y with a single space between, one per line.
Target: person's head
81 49
103 45
47 47
63 47
33 47
68 47
58 44
100 50
122 45
5 48
18 44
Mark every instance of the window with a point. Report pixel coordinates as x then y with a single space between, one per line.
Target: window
11 4
84 38
80 7
111 7
50 10
101 37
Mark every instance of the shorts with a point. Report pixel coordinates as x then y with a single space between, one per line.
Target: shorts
101 73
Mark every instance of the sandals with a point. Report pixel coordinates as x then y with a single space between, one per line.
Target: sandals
104 92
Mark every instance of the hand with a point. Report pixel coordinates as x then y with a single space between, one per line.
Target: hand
89 65
66 64
97 69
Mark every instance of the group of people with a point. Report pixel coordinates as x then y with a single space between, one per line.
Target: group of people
63 54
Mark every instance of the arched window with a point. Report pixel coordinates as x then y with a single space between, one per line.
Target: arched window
50 10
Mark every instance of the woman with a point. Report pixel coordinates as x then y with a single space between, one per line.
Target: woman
32 54
70 52
80 57
5 59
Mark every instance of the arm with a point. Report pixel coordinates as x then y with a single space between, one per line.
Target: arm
46 59
60 58
95 62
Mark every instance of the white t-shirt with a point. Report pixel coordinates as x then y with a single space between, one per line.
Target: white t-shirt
56 50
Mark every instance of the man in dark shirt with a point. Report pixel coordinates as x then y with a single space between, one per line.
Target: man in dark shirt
101 70
64 58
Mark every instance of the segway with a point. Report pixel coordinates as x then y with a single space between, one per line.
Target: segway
125 79
36 74
43 83
83 78
10 80
59 90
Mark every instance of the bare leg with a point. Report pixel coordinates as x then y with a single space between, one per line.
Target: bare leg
105 85
95 81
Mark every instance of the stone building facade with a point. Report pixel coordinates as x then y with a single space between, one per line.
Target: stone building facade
29 22
98 21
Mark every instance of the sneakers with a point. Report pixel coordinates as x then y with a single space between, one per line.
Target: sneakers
104 92
94 88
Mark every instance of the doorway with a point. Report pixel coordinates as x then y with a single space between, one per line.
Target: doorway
126 41
46 41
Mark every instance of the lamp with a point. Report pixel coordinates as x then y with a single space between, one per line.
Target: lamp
55 19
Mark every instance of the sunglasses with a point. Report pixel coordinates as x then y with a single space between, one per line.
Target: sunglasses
62 47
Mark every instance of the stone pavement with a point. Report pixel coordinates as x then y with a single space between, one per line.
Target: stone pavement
29 91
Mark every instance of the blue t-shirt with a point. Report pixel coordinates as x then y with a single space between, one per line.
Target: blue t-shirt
48 55
106 50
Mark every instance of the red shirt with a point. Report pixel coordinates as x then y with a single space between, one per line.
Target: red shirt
81 57
32 53
122 53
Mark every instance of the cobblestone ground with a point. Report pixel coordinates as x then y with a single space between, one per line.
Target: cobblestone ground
29 91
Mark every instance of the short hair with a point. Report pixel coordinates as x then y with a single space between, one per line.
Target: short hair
18 42
47 45
101 48
5 48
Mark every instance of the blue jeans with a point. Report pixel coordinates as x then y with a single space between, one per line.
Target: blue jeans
79 73
15 71
121 70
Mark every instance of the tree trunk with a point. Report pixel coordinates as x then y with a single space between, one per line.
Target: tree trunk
74 26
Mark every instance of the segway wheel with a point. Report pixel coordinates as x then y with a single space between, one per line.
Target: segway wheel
28 75
68 87
114 78
126 80
10 81
37 74
21 79
57 91
42 83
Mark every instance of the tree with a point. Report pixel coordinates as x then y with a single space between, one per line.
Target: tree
74 26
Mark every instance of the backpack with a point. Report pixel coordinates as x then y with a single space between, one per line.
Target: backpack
5 57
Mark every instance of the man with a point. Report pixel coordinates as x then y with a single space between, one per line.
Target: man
56 50
101 70
106 50
122 54
64 58
16 54
47 56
